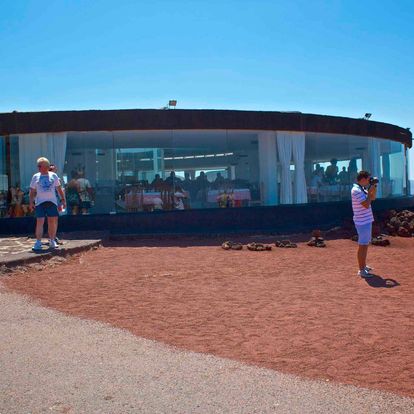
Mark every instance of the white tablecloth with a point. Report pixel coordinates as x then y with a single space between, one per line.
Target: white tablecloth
333 190
136 199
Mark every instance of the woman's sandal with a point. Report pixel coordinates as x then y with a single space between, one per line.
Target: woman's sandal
237 246
285 243
380 241
289 244
316 242
227 245
258 247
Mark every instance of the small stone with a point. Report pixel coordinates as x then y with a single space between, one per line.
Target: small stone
5 269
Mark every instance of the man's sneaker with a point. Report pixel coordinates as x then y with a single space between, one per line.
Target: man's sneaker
364 273
37 246
368 268
52 244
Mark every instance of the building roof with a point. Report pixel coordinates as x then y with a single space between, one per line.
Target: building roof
146 119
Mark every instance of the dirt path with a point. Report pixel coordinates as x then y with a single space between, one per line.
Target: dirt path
52 363
302 311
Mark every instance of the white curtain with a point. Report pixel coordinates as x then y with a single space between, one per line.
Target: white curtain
268 167
374 165
32 146
298 147
386 169
284 147
158 162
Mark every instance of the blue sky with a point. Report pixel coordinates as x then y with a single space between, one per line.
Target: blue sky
331 57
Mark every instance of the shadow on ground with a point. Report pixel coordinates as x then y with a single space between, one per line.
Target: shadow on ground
377 281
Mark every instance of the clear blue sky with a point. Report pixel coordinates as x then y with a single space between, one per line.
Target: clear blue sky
332 57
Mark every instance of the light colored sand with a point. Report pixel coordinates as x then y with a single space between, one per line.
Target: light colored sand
53 363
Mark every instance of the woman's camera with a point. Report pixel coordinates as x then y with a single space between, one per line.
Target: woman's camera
373 180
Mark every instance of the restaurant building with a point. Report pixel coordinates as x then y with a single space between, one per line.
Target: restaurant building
154 161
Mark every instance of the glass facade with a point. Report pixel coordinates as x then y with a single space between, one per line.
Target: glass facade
4 180
160 170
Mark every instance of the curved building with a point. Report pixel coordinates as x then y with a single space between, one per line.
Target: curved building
163 160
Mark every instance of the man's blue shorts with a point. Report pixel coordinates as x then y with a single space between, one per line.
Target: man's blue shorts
364 233
46 209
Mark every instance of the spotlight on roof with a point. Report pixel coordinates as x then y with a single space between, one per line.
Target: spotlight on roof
367 116
172 103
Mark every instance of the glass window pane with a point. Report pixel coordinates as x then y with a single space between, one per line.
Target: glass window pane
243 150
18 192
198 168
4 178
334 160
395 168
214 169
332 163
140 158
89 172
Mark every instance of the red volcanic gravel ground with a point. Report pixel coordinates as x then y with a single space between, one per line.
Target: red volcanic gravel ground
302 311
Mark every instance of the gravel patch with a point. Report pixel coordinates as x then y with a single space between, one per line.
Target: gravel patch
54 363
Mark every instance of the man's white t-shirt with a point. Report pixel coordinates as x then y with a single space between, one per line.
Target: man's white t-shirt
362 215
45 186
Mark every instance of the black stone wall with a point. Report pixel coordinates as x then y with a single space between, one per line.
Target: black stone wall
278 219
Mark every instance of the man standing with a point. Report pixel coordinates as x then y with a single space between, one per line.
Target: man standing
43 199
363 217
332 171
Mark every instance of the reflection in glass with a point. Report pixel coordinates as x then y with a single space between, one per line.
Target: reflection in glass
333 162
162 170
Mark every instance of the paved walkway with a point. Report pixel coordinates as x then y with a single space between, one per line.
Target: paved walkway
15 251
14 245
53 363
